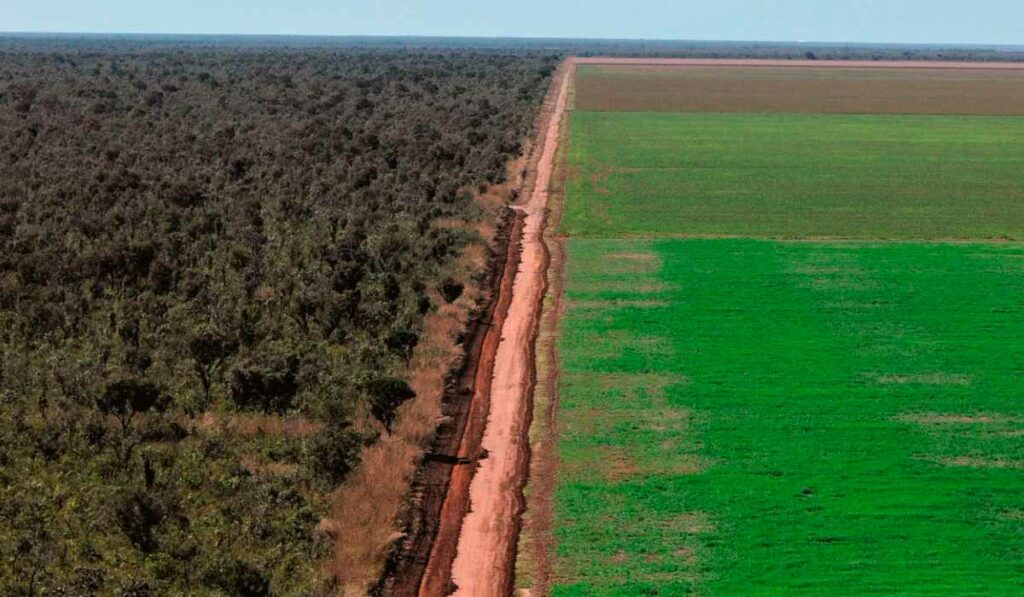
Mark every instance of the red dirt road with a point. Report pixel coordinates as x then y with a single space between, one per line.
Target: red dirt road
485 561
803 63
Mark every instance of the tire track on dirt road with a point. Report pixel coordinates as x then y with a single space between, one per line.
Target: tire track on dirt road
485 560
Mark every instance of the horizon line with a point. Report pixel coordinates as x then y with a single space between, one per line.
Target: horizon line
380 36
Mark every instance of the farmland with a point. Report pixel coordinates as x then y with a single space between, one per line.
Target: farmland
787 354
793 175
848 90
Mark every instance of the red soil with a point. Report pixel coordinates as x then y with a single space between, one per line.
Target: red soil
485 562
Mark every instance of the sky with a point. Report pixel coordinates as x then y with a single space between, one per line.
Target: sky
874 21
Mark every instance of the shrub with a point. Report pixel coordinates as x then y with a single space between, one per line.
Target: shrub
386 395
333 452
268 388
451 290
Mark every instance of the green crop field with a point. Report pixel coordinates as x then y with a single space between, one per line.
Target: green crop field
793 175
790 356
761 417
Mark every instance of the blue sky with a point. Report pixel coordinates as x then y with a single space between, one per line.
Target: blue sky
890 21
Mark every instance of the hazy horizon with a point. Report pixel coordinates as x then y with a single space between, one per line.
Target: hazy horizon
870 22
355 39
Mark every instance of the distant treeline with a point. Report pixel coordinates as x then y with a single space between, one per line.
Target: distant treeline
580 47
214 264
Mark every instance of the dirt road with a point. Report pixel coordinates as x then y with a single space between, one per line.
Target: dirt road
423 566
484 563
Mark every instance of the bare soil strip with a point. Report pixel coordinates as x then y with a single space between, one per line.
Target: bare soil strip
422 562
819 87
535 562
804 63
435 578
484 564
442 483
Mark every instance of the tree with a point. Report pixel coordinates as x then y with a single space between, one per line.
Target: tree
333 452
208 352
402 342
238 578
451 289
127 397
124 399
138 514
386 395
270 388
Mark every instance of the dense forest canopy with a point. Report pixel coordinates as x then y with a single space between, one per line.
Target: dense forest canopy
195 235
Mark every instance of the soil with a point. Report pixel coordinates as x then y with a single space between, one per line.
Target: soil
803 86
537 552
436 577
441 488
485 560
422 564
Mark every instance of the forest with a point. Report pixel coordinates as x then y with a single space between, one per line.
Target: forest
215 264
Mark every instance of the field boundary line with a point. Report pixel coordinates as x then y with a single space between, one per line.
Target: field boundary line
535 566
485 560
805 239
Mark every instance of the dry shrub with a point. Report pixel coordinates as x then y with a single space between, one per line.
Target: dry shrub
244 425
366 511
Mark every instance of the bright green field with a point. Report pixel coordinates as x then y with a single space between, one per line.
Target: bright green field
778 418
795 175
748 415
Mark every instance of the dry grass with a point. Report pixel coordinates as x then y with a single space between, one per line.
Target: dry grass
979 462
535 548
615 464
366 509
633 263
366 512
958 419
245 425
265 468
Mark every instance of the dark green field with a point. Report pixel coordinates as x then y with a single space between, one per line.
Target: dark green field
795 175
827 401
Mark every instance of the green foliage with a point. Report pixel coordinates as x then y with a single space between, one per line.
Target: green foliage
386 395
793 175
126 398
751 417
195 241
239 578
333 452
401 343
451 290
268 388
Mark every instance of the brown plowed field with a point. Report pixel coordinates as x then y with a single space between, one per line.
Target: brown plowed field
801 86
